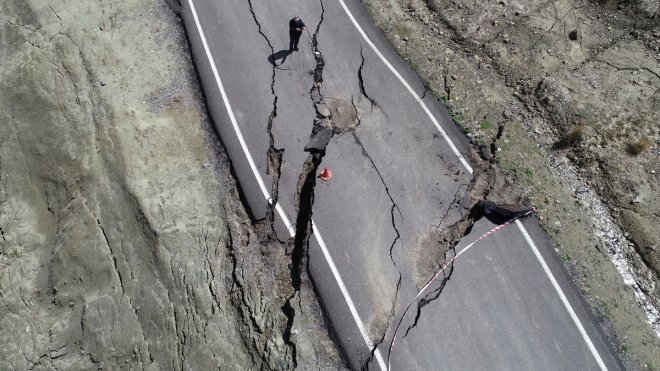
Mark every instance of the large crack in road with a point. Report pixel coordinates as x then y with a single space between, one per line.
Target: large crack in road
363 91
397 238
274 155
489 194
305 195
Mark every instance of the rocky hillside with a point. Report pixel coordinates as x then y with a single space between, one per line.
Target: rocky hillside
564 96
123 243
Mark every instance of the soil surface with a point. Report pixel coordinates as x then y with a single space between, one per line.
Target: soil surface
562 96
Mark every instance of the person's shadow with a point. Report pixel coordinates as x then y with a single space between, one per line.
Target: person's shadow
273 58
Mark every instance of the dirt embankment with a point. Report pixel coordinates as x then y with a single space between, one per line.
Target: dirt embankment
123 243
564 97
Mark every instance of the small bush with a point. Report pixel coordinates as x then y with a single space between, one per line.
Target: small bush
636 148
485 124
572 137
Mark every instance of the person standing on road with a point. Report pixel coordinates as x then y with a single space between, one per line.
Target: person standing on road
296 27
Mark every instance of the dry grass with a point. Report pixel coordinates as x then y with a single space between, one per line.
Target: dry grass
636 148
572 137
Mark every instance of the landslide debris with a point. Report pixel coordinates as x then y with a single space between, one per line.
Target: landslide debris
123 243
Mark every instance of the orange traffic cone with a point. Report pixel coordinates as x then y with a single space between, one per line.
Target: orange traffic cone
326 174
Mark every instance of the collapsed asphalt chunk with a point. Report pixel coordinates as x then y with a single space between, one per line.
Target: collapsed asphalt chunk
320 140
497 213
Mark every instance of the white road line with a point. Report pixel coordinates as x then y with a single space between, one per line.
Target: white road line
407 86
234 123
280 211
349 301
563 298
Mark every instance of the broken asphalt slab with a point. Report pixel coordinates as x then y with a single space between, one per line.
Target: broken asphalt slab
320 140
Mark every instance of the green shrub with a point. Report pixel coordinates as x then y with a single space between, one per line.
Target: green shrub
485 124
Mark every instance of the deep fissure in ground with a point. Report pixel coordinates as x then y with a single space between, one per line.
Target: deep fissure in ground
305 196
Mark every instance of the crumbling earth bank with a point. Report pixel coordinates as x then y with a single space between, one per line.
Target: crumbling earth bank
122 240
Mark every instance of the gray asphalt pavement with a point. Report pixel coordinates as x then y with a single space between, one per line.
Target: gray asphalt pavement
395 177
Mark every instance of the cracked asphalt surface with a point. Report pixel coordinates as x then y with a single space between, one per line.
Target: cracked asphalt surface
395 178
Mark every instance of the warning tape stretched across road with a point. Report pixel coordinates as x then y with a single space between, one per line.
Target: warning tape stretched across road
440 271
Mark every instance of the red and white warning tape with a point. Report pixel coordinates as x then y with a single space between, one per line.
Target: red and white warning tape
439 272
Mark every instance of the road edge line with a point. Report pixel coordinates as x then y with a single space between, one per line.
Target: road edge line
412 92
280 211
562 296
347 297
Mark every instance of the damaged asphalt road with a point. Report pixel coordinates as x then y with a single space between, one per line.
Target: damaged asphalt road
395 181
